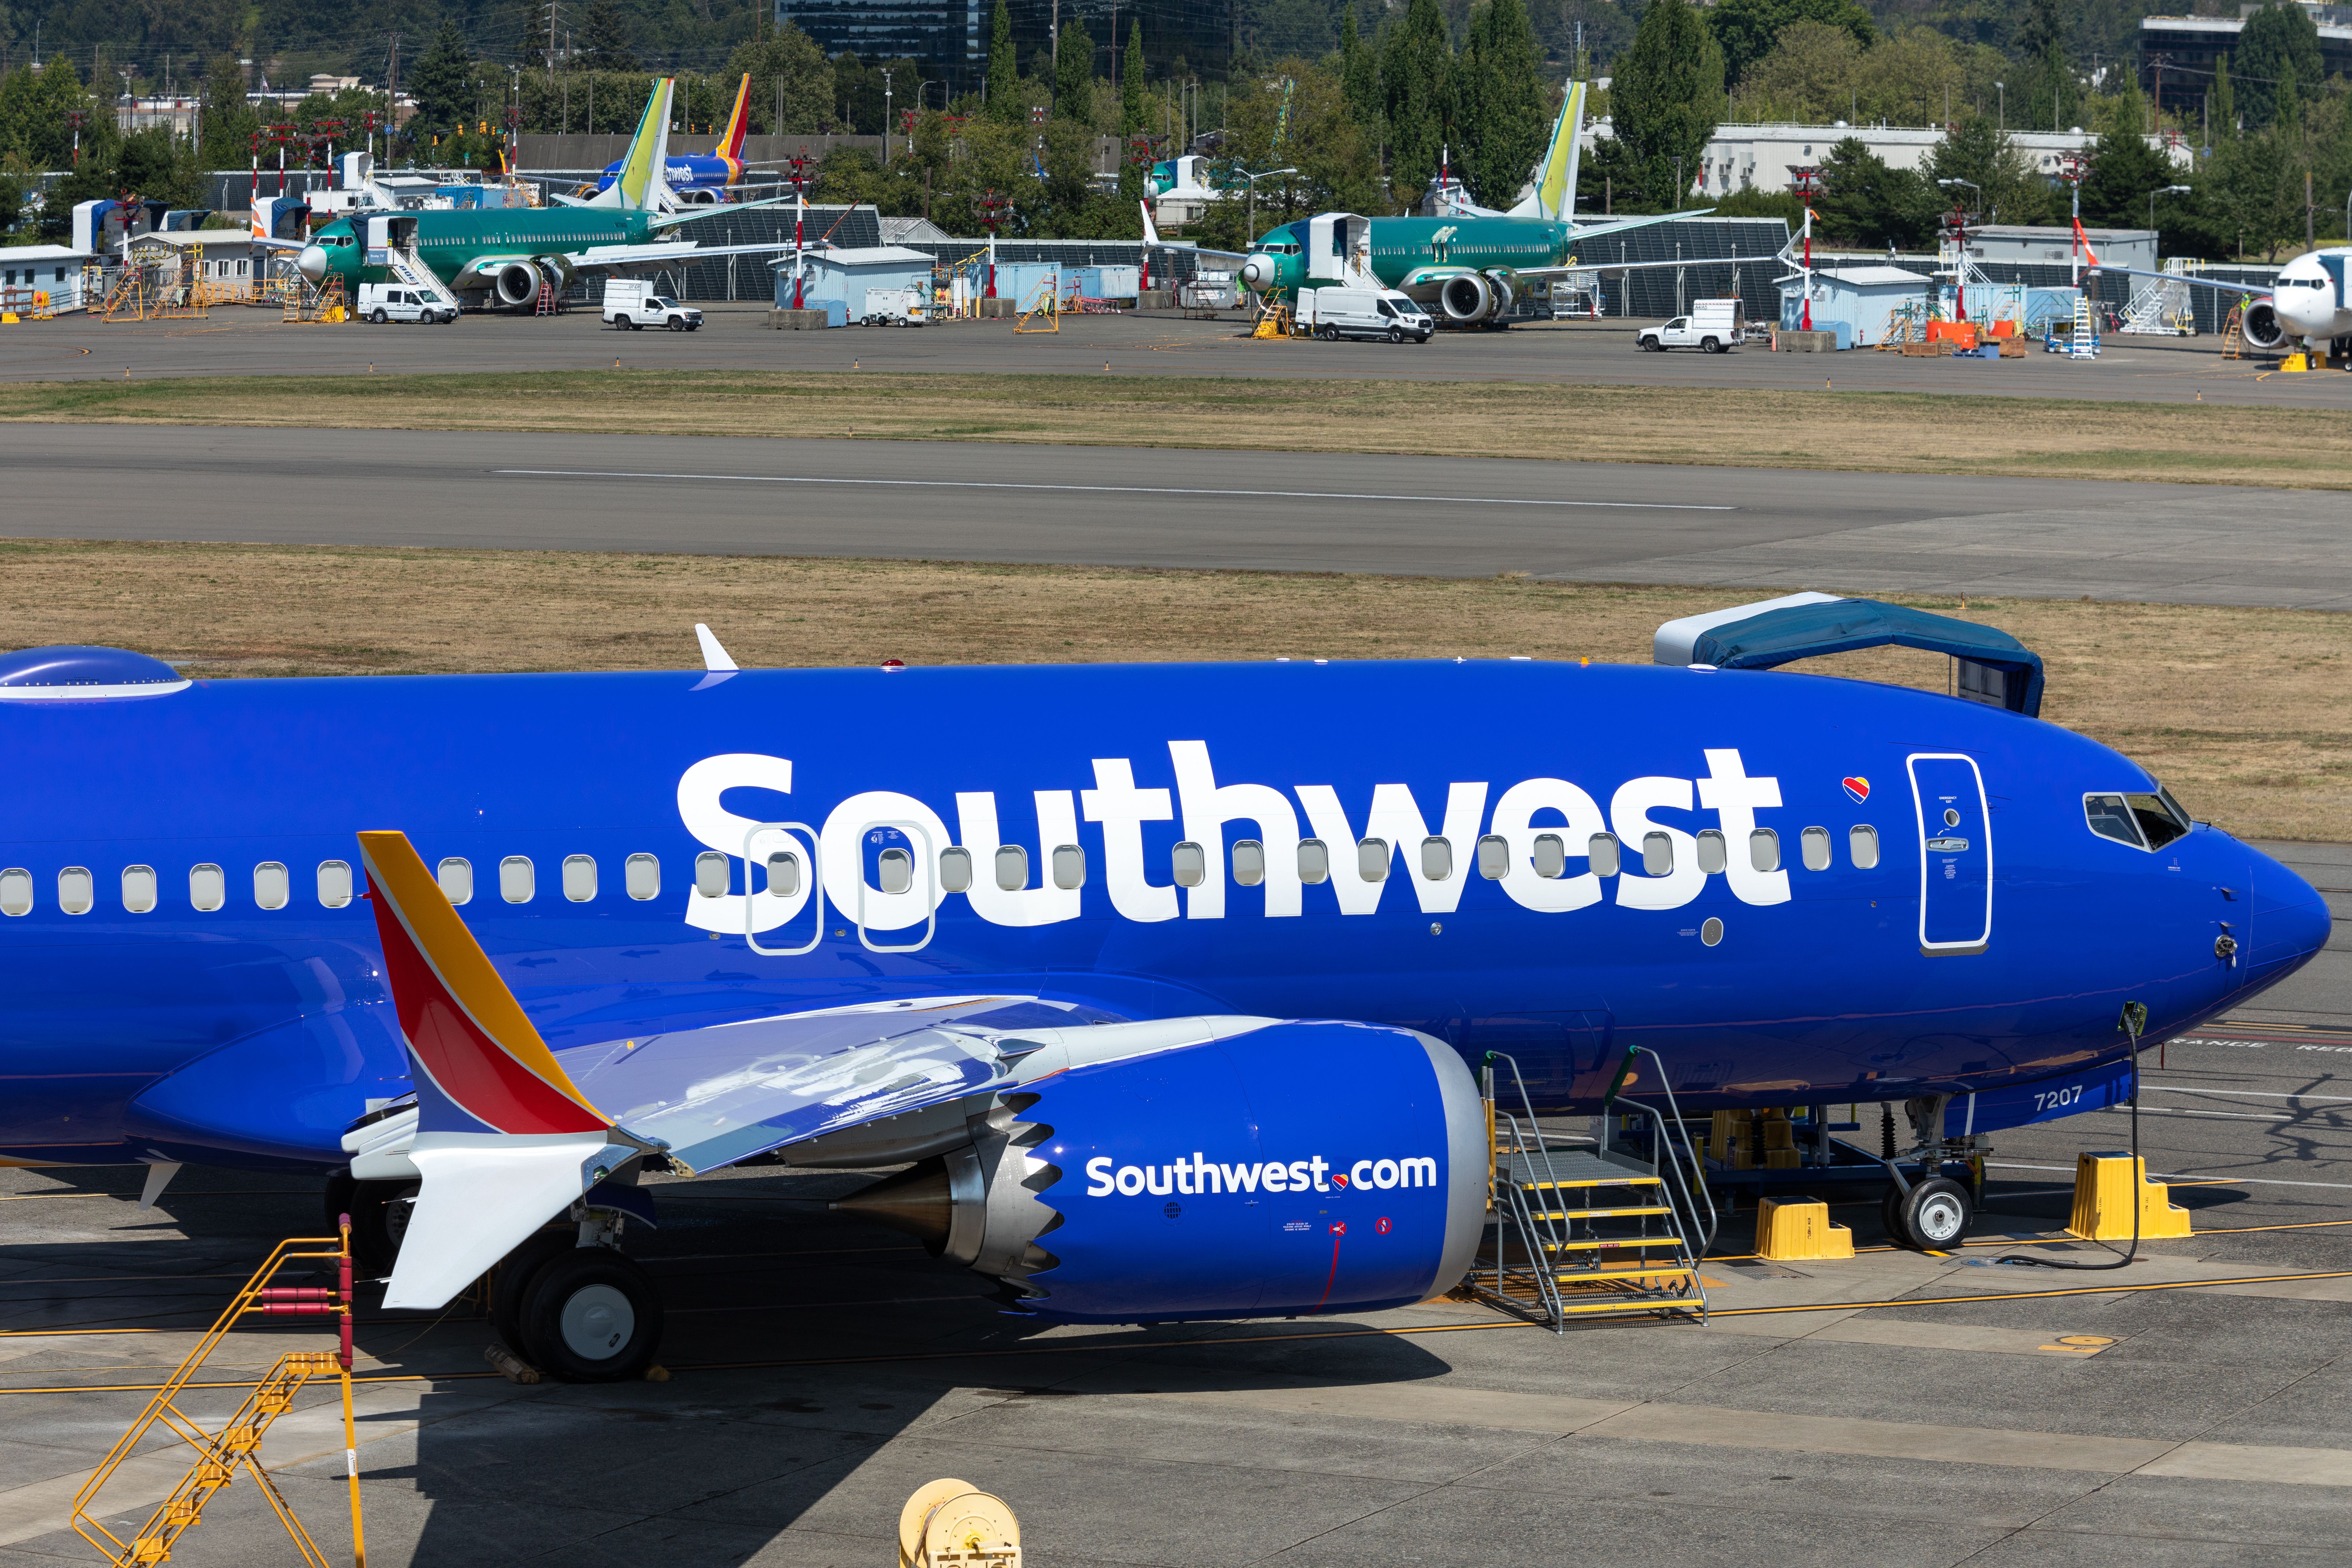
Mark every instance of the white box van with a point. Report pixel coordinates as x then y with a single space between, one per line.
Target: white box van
1712 327
631 303
1339 311
894 307
382 302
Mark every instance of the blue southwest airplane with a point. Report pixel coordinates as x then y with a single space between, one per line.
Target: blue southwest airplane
696 177
1095 947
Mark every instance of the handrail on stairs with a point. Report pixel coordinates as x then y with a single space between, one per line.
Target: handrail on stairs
1667 1156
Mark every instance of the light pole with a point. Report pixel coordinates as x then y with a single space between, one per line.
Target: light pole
2177 191
2001 90
1961 249
886 117
1254 179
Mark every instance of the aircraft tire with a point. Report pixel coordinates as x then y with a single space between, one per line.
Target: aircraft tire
1935 1213
592 1316
376 1232
516 1275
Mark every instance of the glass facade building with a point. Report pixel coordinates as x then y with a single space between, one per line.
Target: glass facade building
949 38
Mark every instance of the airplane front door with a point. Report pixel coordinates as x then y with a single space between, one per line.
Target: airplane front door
1955 853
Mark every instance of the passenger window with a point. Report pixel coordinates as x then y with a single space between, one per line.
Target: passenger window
207 889
1551 856
1603 852
955 870
75 890
895 870
334 884
517 882
1816 849
1862 847
1437 859
271 886
1657 855
1190 865
579 877
1494 857
15 891
1314 861
1249 862
1011 867
1764 849
1069 867
139 889
1372 860
711 875
457 875
641 876
1710 852
2155 819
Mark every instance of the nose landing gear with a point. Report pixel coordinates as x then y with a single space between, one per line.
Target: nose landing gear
1930 1212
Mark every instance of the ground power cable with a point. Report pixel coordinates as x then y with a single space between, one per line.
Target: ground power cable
2133 1019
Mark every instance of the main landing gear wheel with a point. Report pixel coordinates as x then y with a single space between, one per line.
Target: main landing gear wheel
592 1316
1933 1216
517 1274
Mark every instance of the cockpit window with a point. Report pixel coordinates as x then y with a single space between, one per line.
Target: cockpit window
2142 821
2157 818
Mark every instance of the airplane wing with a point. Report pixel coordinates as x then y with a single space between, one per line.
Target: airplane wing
1573 265
670 219
1582 232
507 1134
478 271
2248 290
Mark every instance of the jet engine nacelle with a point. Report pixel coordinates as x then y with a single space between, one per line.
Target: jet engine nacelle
1298 1168
2262 327
1503 292
1467 297
518 282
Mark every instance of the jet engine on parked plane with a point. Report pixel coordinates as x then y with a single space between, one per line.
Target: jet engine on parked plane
1303 1168
2262 327
518 282
1465 298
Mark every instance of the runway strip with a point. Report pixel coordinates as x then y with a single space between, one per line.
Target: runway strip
1116 490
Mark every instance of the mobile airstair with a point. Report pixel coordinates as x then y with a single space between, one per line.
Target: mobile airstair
2160 307
1577 1229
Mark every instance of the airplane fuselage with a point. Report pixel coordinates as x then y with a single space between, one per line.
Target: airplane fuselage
1416 255
2313 295
452 242
1829 891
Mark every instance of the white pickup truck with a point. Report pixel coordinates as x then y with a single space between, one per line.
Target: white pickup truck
1712 327
632 304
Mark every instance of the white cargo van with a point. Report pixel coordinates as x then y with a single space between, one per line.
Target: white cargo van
631 303
1340 311
382 302
1712 327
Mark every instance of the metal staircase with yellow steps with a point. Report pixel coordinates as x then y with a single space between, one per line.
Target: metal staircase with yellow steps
1576 1230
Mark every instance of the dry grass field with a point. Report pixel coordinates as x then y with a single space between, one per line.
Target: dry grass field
2247 714
1876 431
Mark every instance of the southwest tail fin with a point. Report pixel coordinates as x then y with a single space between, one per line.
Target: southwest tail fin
505 1141
1555 193
730 146
641 186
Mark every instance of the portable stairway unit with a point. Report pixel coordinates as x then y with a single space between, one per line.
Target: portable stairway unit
225 1449
2082 343
2160 309
1589 1232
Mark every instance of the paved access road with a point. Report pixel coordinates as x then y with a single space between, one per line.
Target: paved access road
234 340
1780 529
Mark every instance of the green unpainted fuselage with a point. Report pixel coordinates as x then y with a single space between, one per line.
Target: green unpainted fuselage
1416 255
449 242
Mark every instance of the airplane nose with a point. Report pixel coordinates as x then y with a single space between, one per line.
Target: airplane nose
2292 923
312 262
1257 272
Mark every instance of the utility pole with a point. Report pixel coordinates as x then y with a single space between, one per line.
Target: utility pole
551 43
886 117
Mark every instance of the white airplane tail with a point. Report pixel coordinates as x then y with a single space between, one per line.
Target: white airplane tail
642 184
1555 194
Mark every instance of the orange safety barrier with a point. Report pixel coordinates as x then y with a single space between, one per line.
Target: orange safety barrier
1959 334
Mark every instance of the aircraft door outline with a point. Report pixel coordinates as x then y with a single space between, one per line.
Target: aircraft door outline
930 858
1954 847
815 885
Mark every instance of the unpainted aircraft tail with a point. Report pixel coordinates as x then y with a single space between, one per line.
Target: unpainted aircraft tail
640 186
1555 193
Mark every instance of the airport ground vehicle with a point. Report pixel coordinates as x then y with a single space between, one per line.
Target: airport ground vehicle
1343 312
1712 327
382 302
631 303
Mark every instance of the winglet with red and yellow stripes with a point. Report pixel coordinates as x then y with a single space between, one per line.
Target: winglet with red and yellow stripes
480 1066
